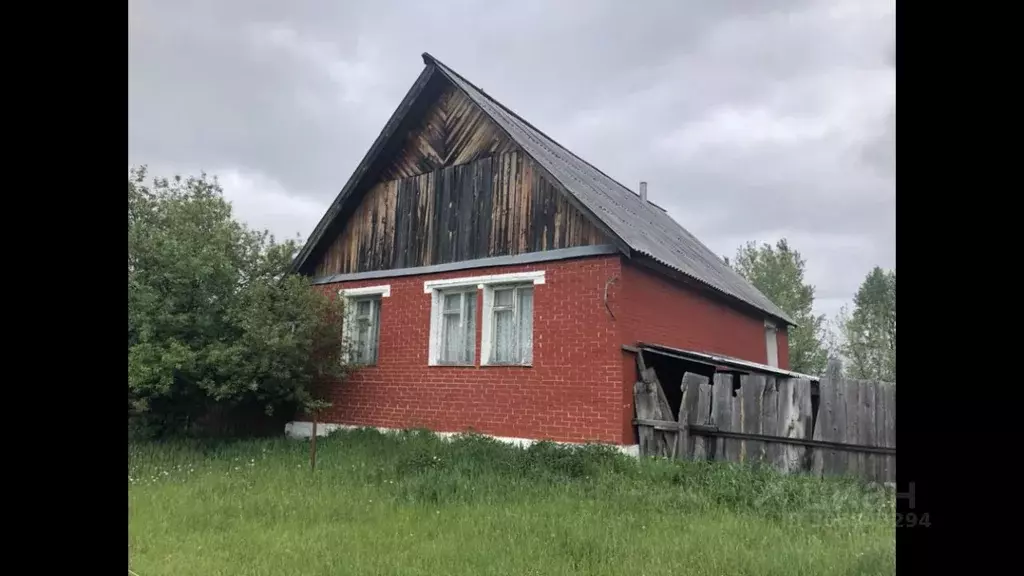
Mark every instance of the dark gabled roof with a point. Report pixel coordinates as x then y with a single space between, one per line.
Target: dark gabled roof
641 226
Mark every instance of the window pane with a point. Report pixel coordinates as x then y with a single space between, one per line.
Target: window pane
458 328
450 338
469 329
453 302
365 330
374 336
524 325
503 297
503 349
363 307
362 343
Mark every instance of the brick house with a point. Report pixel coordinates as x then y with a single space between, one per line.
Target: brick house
497 282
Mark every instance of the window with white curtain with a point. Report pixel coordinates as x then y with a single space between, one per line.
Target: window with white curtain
508 337
507 319
362 322
457 322
365 332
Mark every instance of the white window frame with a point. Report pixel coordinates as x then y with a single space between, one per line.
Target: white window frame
435 288
487 325
771 342
353 295
437 321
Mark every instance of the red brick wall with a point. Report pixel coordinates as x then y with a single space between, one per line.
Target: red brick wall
782 338
571 393
661 311
580 387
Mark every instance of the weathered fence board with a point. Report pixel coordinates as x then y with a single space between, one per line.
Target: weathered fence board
794 421
854 462
890 430
721 417
689 413
825 429
772 420
701 444
752 390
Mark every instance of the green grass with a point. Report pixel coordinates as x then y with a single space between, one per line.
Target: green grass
415 504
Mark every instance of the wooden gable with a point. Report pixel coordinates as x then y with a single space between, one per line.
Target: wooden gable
452 131
452 187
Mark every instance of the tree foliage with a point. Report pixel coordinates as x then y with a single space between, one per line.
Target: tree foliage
869 333
215 325
778 272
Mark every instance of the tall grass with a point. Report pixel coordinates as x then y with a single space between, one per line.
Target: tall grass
413 503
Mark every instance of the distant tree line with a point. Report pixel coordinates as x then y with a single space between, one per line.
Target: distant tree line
863 337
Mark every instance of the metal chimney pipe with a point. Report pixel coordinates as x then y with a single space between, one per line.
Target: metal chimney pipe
643 191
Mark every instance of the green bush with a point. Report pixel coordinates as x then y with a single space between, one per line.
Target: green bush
220 337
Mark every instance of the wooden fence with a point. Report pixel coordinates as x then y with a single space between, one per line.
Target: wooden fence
849 430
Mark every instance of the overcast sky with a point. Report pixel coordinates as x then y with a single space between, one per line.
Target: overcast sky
750 120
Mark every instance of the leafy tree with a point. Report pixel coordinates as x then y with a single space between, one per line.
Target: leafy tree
215 325
778 272
869 333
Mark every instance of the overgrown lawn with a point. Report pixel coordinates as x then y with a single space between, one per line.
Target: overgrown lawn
416 504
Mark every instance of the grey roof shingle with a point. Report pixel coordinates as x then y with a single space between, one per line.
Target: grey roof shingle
643 227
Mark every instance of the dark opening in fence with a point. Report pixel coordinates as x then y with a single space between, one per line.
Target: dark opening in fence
744 412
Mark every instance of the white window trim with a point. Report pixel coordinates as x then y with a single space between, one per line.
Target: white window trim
384 291
435 287
535 276
486 332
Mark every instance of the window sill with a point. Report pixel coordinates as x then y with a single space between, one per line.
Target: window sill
506 365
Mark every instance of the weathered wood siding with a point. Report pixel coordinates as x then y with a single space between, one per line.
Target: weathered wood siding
452 131
493 206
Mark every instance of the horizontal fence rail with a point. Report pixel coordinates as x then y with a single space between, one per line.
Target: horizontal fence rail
716 432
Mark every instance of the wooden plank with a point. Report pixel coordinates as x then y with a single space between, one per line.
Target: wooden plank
854 462
890 430
736 399
824 428
665 440
689 411
682 448
645 408
485 197
868 436
466 214
794 422
690 387
840 459
806 406
702 415
752 389
770 418
721 417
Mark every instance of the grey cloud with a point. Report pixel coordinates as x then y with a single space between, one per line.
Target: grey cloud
747 118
